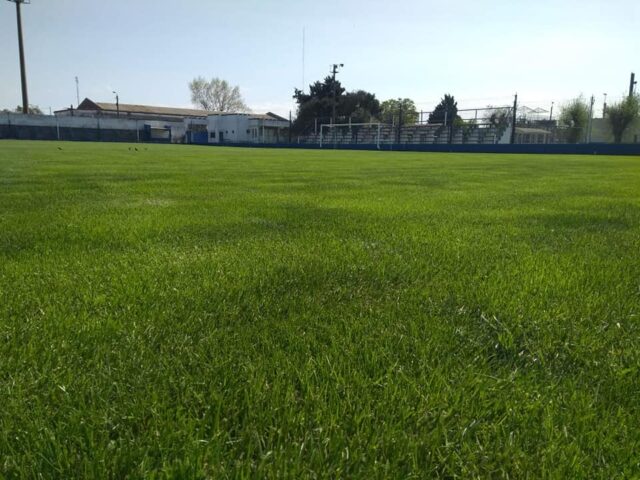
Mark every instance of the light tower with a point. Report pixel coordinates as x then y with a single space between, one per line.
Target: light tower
23 70
334 70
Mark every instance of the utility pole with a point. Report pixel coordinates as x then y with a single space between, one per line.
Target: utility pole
632 84
590 124
290 123
513 128
399 135
117 104
334 70
452 124
77 91
23 69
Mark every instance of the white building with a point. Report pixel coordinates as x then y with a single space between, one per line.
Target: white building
187 124
246 128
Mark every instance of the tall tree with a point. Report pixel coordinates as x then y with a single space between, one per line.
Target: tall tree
622 114
574 116
360 106
447 110
497 116
391 109
317 105
216 95
33 110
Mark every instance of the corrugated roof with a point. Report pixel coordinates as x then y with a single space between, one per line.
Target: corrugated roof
125 108
529 130
152 110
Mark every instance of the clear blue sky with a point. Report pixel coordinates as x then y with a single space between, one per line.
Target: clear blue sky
480 51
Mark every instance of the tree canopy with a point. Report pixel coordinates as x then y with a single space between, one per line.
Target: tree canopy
390 111
216 95
622 114
574 116
447 110
359 106
33 110
497 116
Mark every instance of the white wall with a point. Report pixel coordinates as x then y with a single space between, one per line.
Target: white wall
244 129
177 128
233 127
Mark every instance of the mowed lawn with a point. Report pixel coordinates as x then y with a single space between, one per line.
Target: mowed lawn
195 312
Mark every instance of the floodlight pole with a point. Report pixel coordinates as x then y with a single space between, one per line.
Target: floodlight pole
632 84
334 70
23 69
551 112
604 106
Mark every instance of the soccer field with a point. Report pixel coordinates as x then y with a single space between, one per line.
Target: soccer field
194 312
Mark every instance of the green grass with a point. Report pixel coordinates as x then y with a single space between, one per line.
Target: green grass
191 312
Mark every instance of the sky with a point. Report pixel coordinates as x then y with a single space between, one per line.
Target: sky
480 51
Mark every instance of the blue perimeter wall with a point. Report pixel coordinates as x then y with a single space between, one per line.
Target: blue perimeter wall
556 148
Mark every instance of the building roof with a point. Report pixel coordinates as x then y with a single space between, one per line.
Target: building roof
142 109
126 108
532 131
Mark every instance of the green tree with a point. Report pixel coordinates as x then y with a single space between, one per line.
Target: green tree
216 95
359 106
622 114
446 109
498 117
390 110
574 116
316 105
33 110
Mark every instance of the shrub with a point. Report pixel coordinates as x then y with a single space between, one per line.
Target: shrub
574 115
622 114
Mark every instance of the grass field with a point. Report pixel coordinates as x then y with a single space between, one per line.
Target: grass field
192 312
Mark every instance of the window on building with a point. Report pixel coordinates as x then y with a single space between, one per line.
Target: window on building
212 135
247 131
233 131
